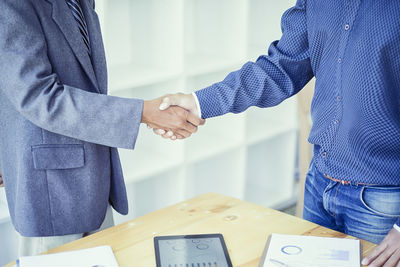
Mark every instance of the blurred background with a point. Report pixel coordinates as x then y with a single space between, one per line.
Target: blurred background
155 47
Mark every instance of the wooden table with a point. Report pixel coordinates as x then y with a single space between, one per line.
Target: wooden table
245 227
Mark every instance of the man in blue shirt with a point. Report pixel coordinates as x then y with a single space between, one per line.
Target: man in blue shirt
352 49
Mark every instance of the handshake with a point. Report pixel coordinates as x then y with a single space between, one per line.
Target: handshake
172 116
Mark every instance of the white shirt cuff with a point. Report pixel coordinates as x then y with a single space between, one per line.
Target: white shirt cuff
197 104
395 226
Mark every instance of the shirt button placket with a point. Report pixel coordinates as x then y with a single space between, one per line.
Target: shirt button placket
338 113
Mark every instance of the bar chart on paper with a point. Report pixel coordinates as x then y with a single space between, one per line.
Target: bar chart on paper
310 251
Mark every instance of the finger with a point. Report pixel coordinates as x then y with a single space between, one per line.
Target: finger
193 119
164 136
188 127
374 254
168 134
382 258
184 134
159 131
393 260
172 100
179 137
165 103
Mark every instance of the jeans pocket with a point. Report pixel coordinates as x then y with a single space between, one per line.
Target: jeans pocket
382 201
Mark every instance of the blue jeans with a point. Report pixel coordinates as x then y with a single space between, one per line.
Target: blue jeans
366 212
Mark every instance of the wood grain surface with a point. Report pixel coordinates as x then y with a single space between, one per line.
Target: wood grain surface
245 227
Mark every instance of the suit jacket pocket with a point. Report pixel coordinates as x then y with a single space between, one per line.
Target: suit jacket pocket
58 156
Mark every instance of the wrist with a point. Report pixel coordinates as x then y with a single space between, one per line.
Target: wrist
188 102
147 111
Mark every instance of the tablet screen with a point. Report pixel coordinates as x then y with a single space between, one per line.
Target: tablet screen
191 251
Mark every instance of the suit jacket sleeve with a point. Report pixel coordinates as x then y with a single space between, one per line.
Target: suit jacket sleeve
27 80
269 80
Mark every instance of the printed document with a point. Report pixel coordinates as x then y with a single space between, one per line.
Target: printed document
310 251
98 256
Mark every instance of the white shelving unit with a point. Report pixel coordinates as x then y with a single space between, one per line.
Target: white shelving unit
155 47
171 46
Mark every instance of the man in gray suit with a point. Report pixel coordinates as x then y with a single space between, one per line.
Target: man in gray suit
58 128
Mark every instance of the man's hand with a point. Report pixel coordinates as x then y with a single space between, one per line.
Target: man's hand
185 101
387 253
174 119
1 180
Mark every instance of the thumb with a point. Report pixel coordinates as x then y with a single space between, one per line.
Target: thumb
168 101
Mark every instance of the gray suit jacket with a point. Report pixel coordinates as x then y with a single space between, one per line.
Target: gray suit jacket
58 129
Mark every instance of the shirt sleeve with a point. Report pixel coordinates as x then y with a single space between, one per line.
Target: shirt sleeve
397 225
27 80
197 104
271 79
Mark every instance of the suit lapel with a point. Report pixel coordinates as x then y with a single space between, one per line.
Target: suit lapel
63 17
96 42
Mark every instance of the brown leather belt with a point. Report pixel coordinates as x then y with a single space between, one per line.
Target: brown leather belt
343 182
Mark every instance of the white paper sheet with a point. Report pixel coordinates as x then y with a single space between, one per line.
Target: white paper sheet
311 251
99 256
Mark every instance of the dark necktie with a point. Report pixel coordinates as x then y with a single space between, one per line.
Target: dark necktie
76 9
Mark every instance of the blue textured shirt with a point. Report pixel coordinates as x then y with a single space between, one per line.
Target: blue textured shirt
352 47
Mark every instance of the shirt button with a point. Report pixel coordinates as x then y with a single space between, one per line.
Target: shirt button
324 154
339 60
339 98
336 121
347 27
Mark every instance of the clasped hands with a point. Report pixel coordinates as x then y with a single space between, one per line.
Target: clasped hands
172 116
